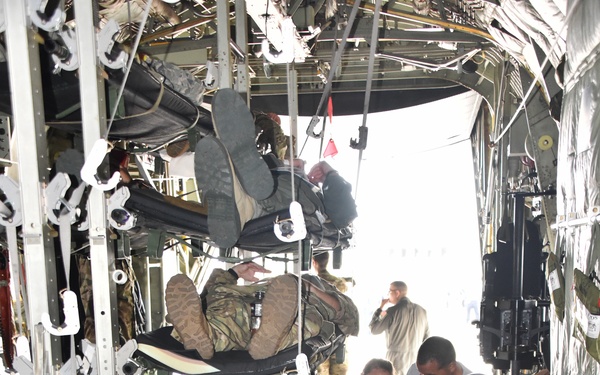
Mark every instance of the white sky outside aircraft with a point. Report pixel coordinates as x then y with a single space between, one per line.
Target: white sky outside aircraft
417 217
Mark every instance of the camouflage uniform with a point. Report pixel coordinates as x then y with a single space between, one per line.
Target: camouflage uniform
270 135
336 281
228 312
125 300
331 366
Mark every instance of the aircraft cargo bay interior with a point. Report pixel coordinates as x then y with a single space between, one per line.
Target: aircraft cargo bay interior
299 187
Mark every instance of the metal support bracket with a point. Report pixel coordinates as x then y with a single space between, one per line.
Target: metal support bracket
212 75
310 131
292 229
71 323
123 246
89 171
156 243
23 366
119 217
287 54
10 207
65 56
37 10
361 144
106 43
125 364
88 362
56 204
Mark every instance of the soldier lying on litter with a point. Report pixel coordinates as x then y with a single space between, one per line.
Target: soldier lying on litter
239 185
220 318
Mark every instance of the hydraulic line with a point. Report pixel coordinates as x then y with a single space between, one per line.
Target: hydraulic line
427 20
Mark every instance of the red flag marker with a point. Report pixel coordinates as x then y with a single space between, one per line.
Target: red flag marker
330 150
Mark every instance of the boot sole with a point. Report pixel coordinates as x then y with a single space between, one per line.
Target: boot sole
234 126
214 176
280 308
185 311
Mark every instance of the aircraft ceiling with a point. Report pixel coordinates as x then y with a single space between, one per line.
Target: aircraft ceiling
426 49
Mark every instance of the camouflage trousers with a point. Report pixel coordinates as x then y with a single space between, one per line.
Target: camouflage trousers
331 365
228 313
125 302
271 136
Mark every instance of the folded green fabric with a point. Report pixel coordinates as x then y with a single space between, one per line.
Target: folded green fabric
588 322
556 282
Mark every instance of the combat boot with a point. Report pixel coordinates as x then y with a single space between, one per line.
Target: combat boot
280 308
234 127
185 312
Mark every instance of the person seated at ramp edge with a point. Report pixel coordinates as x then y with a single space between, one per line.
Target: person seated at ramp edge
220 318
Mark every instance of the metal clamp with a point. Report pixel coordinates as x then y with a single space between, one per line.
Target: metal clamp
23 365
37 9
71 324
64 54
88 360
310 131
292 229
10 207
89 171
361 144
106 43
302 364
125 364
212 75
57 205
119 217
287 54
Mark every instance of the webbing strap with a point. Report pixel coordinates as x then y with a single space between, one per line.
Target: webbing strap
373 49
65 227
337 58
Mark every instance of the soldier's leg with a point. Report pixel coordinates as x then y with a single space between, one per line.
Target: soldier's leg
323 368
228 205
280 307
185 312
234 127
312 323
336 368
229 320
335 307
